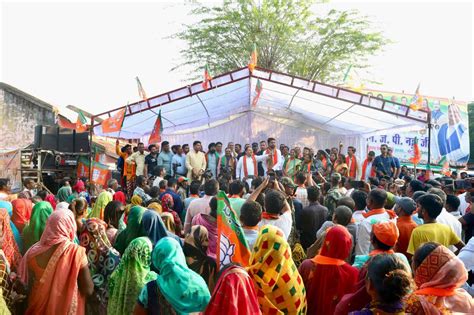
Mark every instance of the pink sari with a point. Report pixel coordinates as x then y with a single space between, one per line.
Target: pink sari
438 279
210 224
56 291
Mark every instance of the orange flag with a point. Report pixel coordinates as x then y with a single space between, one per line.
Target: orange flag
415 159
155 135
253 59
233 247
206 78
114 123
258 90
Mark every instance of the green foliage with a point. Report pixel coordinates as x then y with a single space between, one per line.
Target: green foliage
289 37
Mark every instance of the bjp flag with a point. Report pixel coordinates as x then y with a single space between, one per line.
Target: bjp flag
114 123
233 247
155 135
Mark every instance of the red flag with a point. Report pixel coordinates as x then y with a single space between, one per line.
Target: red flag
206 78
155 135
63 122
416 153
253 59
258 90
233 247
114 123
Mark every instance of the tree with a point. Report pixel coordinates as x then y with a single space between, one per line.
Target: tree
289 38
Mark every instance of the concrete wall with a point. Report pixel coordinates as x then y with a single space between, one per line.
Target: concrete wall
19 114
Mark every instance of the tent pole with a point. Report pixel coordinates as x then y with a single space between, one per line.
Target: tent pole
91 153
429 138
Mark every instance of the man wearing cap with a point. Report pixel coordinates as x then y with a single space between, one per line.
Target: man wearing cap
404 209
183 183
333 194
375 203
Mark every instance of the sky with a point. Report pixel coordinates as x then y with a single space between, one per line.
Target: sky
88 54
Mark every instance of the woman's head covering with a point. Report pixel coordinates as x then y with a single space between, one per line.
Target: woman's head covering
60 227
184 289
79 186
7 240
102 200
6 205
156 207
62 206
275 275
152 226
133 229
120 196
136 200
34 229
112 213
167 203
131 275
195 250
21 212
438 279
51 199
168 221
103 259
63 193
234 294
327 276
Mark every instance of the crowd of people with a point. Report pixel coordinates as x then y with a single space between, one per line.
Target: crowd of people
328 234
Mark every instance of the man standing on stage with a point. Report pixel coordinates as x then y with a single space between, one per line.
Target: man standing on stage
212 159
261 166
275 162
367 169
165 157
138 158
247 165
151 160
227 162
383 164
196 162
396 161
351 162
179 163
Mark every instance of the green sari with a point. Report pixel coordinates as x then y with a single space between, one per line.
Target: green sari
64 193
98 210
132 231
131 275
34 229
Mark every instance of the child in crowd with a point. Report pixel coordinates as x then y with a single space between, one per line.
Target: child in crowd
250 216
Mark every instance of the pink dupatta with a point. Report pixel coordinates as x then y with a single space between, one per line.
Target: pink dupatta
56 292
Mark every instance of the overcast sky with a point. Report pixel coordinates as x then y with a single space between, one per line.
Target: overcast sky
88 54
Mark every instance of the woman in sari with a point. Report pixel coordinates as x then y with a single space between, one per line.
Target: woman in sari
177 289
132 231
132 273
112 213
195 250
168 221
167 206
51 199
153 227
21 213
291 165
79 191
340 165
34 229
16 233
102 258
439 275
307 165
64 192
156 207
209 221
102 200
63 205
280 289
327 277
7 241
234 294
134 201
55 269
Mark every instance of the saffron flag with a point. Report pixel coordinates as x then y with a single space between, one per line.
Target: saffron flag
446 171
206 78
141 90
416 102
416 153
253 59
233 247
63 122
155 135
114 123
258 90
81 122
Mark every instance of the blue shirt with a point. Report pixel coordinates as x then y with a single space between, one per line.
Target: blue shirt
178 203
164 159
179 160
384 165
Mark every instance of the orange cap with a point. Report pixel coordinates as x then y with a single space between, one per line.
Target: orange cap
386 232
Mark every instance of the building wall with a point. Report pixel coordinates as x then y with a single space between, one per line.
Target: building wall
19 114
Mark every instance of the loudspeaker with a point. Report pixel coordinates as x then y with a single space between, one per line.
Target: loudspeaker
61 139
66 140
81 142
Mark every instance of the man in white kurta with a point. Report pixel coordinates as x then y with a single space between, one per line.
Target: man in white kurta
275 162
247 166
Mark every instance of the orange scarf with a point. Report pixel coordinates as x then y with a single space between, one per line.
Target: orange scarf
324 260
352 165
270 216
274 156
437 291
376 252
254 160
364 169
379 211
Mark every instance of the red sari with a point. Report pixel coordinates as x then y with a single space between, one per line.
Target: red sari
234 294
327 277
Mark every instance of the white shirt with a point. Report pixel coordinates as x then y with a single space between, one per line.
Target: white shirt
284 223
446 218
278 166
463 205
157 181
466 255
363 244
368 169
249 161
200 205
302 195
349 192
358 217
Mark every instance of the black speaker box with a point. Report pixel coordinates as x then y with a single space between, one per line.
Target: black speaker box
61 139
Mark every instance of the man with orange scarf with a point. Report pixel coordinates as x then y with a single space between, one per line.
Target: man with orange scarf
275 162
367 169
351 162
247 165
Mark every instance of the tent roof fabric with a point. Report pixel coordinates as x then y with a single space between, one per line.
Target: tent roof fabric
284 97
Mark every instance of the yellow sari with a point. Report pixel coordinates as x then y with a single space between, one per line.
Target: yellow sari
280 288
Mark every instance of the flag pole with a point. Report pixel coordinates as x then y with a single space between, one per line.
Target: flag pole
91 153
429 137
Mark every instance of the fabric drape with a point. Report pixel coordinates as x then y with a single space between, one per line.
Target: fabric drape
34 229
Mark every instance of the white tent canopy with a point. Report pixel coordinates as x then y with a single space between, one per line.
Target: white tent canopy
293 110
